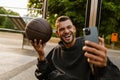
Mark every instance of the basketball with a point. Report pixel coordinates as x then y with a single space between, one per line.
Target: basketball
39 29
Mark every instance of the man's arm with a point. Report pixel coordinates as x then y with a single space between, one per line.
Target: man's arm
110 72
44 63
41 71
39 48
104 69
44 68
96 53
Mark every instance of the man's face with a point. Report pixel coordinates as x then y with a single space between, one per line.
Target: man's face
66 31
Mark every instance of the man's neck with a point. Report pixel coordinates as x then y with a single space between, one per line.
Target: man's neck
70 44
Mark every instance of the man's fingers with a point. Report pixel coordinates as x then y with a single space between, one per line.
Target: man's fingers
40 42
96 46
101 41
95 51
35 42
92 44
96 59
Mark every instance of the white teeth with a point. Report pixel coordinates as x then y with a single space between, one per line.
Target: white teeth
67 36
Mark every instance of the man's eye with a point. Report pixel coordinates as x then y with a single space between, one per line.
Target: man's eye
69 27
61 29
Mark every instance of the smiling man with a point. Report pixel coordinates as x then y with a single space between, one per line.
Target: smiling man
71 58
66 32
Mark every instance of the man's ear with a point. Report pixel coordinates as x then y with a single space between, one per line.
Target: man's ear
75 29
57 34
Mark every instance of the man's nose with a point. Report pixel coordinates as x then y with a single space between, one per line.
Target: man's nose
66 30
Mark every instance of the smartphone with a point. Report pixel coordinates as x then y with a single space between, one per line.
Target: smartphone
91 34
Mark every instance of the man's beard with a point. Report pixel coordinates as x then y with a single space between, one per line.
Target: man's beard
68 42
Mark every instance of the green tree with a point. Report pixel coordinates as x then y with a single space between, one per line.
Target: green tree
8 23
75 9
2 11
5 22
35 7
110 17
65 7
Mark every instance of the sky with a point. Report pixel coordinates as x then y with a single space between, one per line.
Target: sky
15 3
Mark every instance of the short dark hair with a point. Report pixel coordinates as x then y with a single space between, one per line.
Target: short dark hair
61 18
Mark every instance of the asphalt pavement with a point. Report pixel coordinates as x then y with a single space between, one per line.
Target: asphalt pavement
18 62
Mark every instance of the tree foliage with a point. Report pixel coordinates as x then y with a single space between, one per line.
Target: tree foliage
75 9
5 22
2 11
35 7
110 17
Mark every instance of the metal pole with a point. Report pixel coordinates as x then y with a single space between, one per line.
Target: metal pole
87 13
93 13
45 7
99 13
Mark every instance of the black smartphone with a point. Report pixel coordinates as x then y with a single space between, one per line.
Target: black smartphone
91 34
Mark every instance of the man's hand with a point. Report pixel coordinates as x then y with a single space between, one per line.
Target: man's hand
96 53
39 48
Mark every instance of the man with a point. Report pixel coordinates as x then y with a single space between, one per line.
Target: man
71 59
